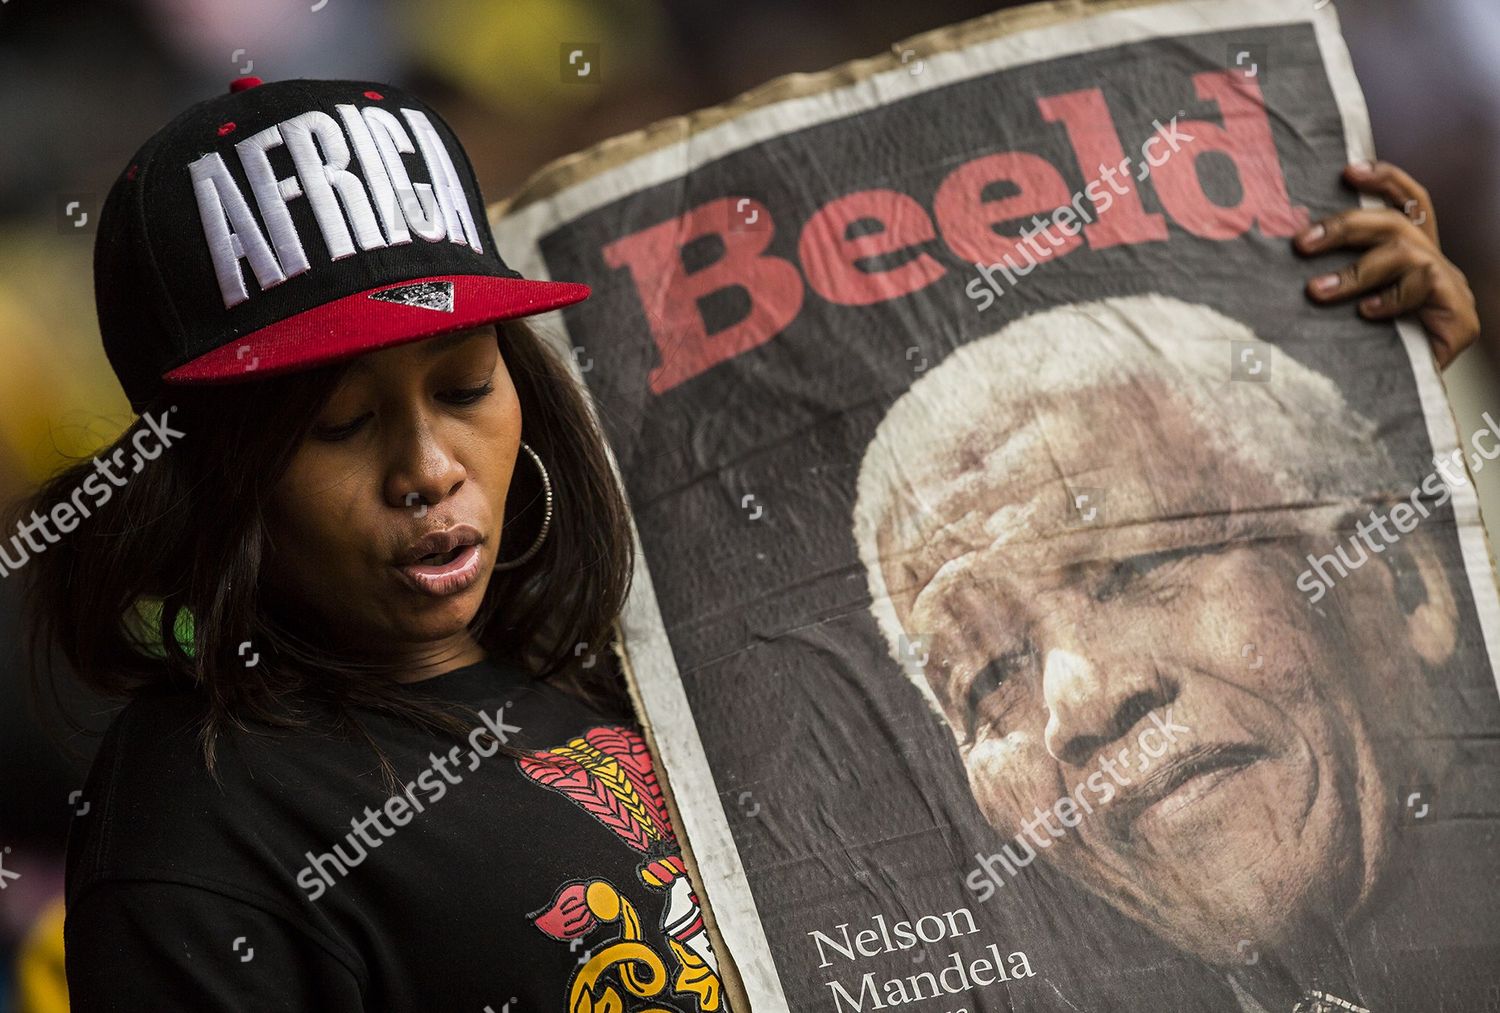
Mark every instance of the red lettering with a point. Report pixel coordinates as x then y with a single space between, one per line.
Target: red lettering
967 221
670 295
1096 145
830 259
1246 139
837 264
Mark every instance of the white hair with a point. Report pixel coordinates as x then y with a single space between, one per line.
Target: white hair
1319 455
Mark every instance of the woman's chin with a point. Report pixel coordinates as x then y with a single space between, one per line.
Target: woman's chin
421 617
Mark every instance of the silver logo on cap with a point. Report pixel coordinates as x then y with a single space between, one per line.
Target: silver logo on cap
424 295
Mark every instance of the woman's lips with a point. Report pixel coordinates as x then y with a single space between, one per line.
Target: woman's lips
1162 798
442 579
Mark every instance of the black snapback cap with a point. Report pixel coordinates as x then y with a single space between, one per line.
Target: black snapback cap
294 223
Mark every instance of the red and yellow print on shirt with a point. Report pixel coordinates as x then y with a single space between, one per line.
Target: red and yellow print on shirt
608 772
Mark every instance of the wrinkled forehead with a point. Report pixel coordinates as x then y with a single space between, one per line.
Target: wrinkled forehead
1083 478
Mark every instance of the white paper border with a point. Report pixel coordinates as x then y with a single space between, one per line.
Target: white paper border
705 825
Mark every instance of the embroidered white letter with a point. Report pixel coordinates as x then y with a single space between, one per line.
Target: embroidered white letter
320 180
375 175
231 230
445 181
271 196
418 203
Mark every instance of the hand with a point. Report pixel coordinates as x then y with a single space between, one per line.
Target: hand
1403 269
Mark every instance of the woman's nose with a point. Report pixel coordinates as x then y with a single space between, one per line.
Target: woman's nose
423 471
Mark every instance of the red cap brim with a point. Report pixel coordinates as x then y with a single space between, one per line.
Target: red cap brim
377 318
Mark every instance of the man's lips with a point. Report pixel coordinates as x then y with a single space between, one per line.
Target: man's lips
1178 781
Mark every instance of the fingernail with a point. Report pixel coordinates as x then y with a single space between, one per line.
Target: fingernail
1314 234
1370 304
1360 165
1326 282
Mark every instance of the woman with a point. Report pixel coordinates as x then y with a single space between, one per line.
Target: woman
375 756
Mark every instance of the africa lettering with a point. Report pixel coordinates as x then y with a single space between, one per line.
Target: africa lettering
383 209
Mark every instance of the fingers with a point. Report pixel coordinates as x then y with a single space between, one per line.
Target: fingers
1409 292
1383 265
1408 277
1398 188
1359 227
1403 269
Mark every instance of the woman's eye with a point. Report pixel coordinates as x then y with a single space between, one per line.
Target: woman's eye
333 434
459 396
469 395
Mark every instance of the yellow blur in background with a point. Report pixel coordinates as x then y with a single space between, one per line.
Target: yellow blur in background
41 986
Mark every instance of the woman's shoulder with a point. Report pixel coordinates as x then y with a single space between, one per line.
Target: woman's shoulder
153 750
151 809
145 753
162 846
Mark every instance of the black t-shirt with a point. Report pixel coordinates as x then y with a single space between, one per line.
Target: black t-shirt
486 883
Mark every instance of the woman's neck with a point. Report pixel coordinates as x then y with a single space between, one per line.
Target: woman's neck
429 660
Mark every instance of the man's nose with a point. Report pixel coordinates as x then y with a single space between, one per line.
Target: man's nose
1088 707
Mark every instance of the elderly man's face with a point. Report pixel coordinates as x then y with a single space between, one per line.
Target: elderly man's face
1058 641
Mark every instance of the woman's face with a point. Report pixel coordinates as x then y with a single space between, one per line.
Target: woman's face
416 439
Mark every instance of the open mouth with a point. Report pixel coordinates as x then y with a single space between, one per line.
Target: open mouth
443 573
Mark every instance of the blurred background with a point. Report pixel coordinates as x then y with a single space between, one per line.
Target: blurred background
83 84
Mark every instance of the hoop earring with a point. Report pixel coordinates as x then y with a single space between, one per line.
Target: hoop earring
541 536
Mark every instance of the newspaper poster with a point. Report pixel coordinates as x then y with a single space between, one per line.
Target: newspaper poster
1043 605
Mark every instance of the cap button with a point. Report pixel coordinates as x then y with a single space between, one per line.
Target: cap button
241 83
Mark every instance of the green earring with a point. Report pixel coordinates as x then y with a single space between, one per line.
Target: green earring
145 622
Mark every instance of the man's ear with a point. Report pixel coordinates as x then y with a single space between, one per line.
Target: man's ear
1425 596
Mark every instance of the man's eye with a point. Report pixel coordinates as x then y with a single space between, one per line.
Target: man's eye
469 395
1127 571
988 681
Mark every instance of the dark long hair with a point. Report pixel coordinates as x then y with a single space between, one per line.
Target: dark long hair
161 583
